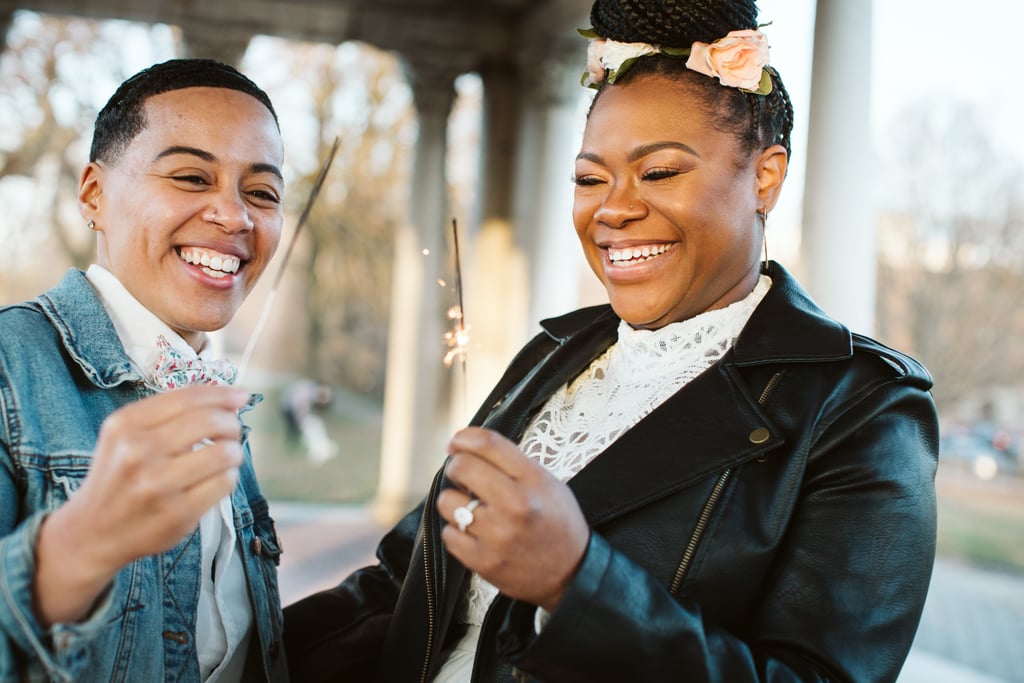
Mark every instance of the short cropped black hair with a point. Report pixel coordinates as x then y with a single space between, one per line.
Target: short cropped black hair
123 117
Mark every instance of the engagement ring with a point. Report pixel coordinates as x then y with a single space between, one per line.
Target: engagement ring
464 514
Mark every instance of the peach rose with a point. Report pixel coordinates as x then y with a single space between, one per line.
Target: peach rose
736 60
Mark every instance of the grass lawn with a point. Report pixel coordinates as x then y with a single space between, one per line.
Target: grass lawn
981 522
286 473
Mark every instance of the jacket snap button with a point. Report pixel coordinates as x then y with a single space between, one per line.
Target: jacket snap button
759 435
257 547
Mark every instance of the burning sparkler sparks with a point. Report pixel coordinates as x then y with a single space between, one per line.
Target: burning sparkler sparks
456 338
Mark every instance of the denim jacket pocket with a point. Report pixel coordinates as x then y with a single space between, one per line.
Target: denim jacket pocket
51 481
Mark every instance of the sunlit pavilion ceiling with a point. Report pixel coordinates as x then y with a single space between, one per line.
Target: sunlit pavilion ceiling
442 34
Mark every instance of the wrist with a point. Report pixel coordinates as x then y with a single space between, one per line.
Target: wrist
69 574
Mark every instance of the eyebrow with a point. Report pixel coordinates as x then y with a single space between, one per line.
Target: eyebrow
643 150
206 156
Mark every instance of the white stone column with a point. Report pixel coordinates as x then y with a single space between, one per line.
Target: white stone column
497 282
552 131
415 398
838 244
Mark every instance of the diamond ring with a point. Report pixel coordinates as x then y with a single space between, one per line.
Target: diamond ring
464 515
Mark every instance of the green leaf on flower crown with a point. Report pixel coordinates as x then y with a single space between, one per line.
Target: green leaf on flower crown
587 32
764 86
675 51
613 75
583 81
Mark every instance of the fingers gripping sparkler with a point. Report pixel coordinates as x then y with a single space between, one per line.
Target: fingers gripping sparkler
268 304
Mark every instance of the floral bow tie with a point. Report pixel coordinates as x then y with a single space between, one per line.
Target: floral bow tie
172 370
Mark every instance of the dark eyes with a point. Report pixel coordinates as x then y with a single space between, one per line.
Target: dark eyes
652 175
660 173
200 182
265 196
191 179
586 180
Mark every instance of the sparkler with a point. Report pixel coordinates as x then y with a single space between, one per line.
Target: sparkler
268 304
457 338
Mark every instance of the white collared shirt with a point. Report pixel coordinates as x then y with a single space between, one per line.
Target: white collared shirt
223 615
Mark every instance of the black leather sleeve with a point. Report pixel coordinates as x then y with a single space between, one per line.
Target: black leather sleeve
336 634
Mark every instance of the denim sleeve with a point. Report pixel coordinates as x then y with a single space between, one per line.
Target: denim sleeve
28 652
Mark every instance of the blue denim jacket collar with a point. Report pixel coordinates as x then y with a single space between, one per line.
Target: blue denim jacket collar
85 330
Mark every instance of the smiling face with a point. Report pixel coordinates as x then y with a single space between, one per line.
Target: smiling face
666 203
189 214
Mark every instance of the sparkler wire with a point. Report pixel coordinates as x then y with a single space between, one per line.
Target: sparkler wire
268 303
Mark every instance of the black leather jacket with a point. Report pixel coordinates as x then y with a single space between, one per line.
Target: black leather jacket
772 521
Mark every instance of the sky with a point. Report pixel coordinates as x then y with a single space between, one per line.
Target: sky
921 51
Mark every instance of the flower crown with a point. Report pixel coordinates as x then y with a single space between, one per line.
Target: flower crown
738 60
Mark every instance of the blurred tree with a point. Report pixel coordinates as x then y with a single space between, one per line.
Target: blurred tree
55 73
951 262
340 274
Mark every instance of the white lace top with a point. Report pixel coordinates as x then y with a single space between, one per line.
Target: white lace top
620 388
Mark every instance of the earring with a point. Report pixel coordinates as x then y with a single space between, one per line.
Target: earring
91 225
764 232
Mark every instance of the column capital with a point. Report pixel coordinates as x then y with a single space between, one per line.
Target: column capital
220 43
432 84
551 70
6 19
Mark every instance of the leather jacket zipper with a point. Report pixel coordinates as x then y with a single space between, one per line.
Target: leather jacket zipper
768 388
431 598
428 571
709 506
698 532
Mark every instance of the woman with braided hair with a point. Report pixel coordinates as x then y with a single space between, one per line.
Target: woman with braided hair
708 479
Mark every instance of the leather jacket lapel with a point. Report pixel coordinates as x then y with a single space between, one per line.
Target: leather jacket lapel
563 364
720 422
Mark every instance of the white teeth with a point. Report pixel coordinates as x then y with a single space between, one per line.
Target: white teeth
644 253
212 263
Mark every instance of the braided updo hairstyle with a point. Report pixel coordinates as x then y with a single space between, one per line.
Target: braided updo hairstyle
758 121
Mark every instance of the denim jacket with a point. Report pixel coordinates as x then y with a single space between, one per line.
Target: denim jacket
63 370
